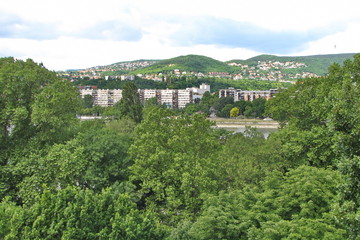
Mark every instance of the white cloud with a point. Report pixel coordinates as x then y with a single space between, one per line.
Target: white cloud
346 41
81 33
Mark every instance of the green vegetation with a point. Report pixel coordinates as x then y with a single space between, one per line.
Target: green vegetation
223 107
130 105
172 175
317 64
189 63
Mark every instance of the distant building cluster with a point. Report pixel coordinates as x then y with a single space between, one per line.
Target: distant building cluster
239 94
271 71
262 70
172 98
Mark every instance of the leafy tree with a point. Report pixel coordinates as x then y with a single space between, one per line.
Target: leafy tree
37 110
54 110
281 208
258 107
28 94
322 128
106 152
88 101
191 108
304 110
242 105
151 102
123 127
225 111
221 103
130 105
234 112
72 213
344 123
249 112
246 158
97 158
174 162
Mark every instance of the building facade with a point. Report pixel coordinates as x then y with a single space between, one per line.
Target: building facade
172 98
239 94
102 97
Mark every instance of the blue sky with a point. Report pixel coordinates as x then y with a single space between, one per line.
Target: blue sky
83 33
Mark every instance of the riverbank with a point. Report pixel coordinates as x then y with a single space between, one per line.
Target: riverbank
233 123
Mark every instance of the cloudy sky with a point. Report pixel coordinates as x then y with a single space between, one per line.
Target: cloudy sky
68 34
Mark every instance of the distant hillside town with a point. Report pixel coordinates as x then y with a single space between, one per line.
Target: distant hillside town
172 98
262 67
271 70
264 70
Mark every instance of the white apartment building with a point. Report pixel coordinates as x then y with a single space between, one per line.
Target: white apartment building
172 98
201 90
146 94
103 97
184 97
239 94
168 97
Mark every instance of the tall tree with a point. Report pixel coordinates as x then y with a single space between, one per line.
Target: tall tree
20 84
88 101
130 105
37 110
321 122
344 123
73 213
174 162
287 206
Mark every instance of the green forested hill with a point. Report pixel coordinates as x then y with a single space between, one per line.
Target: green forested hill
317 64
188 63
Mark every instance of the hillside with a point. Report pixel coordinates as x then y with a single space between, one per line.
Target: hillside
317 64
262 67
188 63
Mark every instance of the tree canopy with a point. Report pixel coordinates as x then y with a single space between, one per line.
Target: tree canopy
130 105
156 173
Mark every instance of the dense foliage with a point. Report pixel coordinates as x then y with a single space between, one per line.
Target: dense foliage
189 63
173 175
222 107
130 105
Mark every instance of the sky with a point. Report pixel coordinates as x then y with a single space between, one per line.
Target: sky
76 34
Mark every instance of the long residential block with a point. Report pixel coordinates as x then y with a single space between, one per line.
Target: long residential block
239 94
172 98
